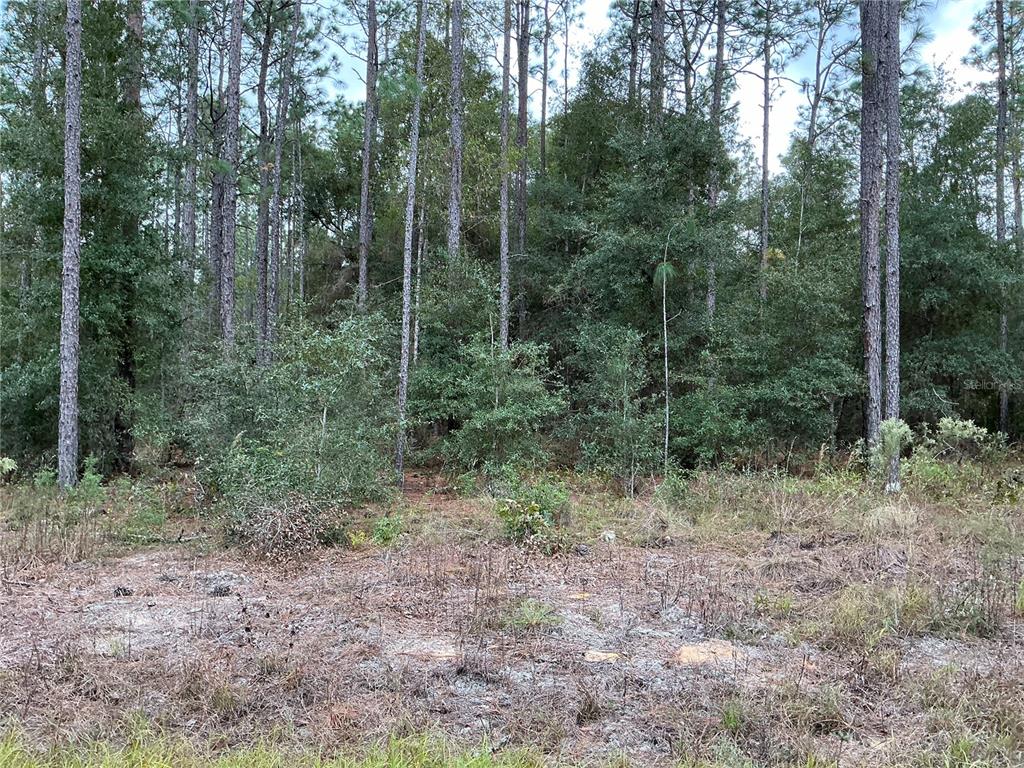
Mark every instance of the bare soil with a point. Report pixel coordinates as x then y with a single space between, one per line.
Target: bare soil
607 648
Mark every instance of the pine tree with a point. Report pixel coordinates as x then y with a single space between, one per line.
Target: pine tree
67 438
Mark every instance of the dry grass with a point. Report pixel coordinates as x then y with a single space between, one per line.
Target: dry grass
846 627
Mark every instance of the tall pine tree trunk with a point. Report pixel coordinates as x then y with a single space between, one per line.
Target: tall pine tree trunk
1001 123
892 225
369 139
522 128
455 185
544 92
230 207
410 208
657 64
276 217
871 26
715 185
188 214
503 267
634 52
263 199
766 64
67 425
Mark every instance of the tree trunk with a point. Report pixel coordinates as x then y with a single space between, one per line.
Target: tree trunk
227 262
544 92
369 139
188 215
263 198
657 64
410 207
634 52
421 255
522 128
1001 122
892 225
766 63
871 20
455 188
67 424
503 292
714 190
276 217
300 214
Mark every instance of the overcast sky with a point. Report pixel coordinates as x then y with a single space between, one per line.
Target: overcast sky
948 22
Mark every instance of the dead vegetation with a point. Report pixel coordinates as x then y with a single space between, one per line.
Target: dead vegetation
721 619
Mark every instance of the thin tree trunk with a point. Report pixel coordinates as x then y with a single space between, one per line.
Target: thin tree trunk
766 52
300 214
188 217
455 187
410 206
544 92
871 20
503 292
522 128
892 225
717 86
227 270
421 255
369 139
634 52
1001 123
263 199
67 424
657 64
276 217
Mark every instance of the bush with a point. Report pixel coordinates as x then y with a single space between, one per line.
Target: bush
315 424
616 426
531 511
497 404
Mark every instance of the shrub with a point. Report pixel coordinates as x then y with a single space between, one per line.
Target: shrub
616 425
316 423
532 510
496 402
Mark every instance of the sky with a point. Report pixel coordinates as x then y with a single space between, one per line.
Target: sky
948 22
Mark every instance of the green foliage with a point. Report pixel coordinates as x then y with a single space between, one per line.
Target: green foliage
497 404
311 423
615 423
531 509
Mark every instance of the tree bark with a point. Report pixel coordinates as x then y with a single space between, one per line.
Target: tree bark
263 198
657 64
766 63
67 425
227 271
522 133
455 185
369 139
1001 123
634 52
503 267
714 190
421 255
188 214
276 217
871 21
544 92
892 225
410 208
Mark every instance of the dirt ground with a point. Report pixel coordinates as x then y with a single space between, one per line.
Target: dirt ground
659 653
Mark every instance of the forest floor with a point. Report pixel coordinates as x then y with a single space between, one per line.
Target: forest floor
757 620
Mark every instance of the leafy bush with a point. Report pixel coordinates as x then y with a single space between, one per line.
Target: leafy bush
531 511
616 425
497 403
312 424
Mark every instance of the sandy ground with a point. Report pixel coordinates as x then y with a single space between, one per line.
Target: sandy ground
633 656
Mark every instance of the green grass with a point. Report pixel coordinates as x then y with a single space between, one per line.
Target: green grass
151 751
